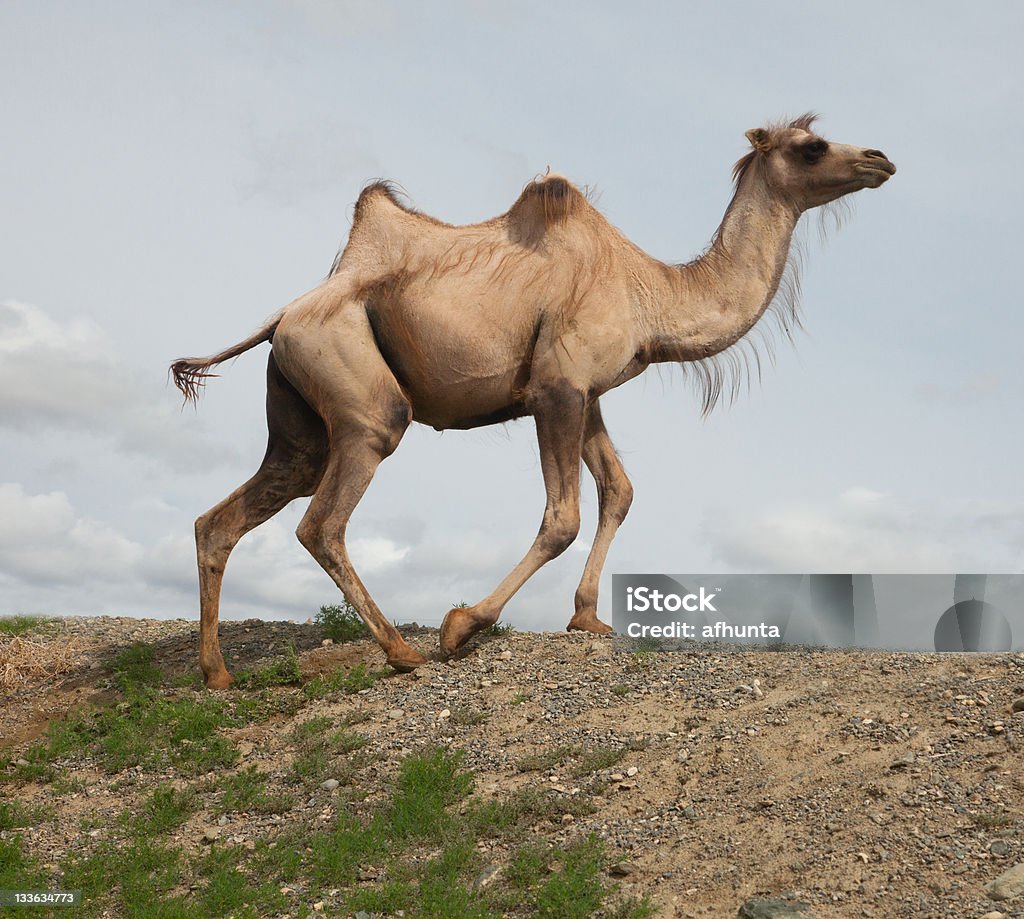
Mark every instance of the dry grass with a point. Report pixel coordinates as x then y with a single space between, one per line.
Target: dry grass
26 662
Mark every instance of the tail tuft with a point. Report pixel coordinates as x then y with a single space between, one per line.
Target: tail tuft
190 377
190 373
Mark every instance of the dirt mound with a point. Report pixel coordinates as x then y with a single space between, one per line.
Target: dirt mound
863 784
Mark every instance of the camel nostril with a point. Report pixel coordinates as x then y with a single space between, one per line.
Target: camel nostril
877 153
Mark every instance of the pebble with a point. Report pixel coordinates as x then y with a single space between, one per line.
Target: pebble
395 714
444 713
505 656
622 869
1018 705
211 833
1008 885
330 784
774 909
487 877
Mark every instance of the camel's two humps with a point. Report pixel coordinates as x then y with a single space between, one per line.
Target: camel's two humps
537 312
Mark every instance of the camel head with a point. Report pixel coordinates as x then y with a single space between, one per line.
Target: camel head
796 163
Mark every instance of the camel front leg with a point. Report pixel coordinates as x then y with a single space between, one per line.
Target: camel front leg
559 416
614 496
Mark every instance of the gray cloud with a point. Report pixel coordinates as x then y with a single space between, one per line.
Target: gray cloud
65 375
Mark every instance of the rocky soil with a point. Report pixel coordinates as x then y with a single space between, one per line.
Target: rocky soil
861 784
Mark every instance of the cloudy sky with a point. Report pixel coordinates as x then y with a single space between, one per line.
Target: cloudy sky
172 173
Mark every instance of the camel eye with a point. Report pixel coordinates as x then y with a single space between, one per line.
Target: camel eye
814 151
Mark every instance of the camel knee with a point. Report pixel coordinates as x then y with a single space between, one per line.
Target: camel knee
387 435
311 534
557 535
619 498
212 546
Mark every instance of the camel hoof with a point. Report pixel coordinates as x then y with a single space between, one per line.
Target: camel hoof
408 662
458 627
219 679
588 624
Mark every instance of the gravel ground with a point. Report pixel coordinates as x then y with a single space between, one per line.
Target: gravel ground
864 784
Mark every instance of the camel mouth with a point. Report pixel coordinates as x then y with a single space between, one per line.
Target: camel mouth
878 165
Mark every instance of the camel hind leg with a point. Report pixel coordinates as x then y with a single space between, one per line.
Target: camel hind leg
614 496
345 377
291 468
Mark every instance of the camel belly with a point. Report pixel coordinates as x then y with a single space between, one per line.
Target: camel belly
460 367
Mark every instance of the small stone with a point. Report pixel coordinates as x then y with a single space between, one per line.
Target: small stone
995 914
568 818
774 909
21 761
327 642
222 821
396 714
999 847
487 877
330 784
505 656
632 770
1018 705
245 747
617 776
444 713
318 907
622 869
551 686
211 833
1008 885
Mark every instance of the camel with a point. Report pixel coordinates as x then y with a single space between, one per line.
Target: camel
537 312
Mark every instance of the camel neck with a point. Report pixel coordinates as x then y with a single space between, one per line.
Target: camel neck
710 303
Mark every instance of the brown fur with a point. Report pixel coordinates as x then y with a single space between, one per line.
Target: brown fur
538 311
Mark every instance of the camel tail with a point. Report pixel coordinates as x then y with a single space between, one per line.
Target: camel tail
190 373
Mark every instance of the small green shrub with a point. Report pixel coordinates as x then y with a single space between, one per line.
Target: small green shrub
341 623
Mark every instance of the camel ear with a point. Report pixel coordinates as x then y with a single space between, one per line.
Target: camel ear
759 139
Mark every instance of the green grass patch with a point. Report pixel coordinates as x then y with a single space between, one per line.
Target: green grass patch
19 871
345 681
246 790
144 728
134 667
547 759
165 809
316 743
16 815
283 672
498 630
341 623
21 625
597 759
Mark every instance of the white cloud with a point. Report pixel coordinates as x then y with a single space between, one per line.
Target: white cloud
866 531
64 375
43 540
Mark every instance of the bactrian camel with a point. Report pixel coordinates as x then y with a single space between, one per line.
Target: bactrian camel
539 311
